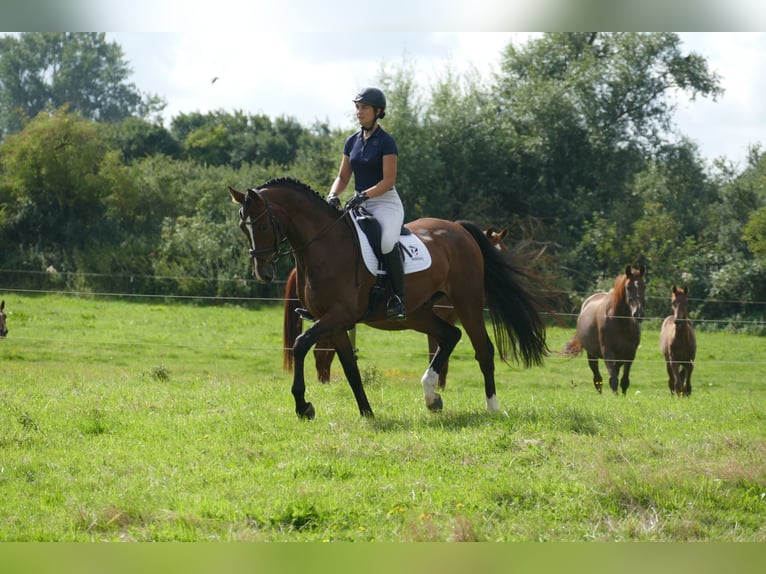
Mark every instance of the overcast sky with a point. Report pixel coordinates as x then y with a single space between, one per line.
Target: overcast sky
313 75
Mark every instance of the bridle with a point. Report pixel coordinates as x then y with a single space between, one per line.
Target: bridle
279 237
276 227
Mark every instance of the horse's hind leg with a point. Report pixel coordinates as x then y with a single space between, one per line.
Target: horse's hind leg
598 382
433 346
323 356
446 336
484 353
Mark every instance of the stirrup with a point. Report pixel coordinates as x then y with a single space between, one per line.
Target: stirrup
304 314
395 308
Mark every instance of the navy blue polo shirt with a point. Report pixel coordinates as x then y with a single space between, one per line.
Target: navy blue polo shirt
367 157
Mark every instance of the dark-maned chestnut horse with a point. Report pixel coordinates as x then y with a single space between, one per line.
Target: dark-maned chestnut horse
678 344
324 353
3 327
335 286
609 328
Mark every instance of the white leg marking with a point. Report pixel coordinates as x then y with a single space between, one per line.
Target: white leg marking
429 380
492 405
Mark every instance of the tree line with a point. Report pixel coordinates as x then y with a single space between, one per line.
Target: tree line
571 144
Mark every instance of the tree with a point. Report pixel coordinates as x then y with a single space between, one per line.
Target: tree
81 70
53 180
585 111
137 138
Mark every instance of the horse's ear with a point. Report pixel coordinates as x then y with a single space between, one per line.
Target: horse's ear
489 231
236 196
2 305
642 269
674 290
628 270
686 289
504 233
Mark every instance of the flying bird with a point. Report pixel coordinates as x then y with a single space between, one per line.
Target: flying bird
214 80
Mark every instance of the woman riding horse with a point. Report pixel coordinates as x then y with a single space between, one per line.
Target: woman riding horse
336 287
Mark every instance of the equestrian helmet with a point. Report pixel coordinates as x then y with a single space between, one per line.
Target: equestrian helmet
372 97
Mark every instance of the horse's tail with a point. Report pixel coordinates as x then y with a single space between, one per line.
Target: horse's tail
514 309
292 324
572 348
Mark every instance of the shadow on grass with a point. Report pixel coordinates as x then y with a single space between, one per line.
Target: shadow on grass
567 419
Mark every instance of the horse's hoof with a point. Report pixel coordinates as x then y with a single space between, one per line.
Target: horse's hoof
308 412
437 405
367 414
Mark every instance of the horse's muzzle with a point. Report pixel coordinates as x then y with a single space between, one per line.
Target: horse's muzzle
263 273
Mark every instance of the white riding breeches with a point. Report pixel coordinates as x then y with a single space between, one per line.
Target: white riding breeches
389 212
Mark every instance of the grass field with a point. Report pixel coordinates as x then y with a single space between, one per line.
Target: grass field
174 421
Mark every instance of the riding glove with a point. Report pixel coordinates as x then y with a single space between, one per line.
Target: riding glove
333 200
358 199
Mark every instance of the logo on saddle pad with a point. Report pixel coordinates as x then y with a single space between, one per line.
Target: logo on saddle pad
416 254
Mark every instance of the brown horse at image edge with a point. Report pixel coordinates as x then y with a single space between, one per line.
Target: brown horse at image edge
3 326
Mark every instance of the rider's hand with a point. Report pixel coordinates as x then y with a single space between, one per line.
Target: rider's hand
356 201
333 200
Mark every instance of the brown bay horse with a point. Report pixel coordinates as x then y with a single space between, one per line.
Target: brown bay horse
609 328
679 344
3 326
324 354
335 287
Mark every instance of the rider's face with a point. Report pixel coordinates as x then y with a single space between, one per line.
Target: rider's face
365 114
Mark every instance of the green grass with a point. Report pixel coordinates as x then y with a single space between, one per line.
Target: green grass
159 422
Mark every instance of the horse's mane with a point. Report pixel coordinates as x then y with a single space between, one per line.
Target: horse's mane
618 291
299 186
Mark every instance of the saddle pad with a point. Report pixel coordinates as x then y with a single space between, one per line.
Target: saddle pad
416 254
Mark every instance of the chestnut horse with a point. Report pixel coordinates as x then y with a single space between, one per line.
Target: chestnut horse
335 286
324 354
609 328
678 344
3 327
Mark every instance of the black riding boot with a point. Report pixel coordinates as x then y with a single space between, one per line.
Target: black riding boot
394 264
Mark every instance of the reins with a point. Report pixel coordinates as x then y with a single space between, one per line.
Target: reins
279 236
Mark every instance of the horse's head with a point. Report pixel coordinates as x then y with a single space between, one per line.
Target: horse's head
3 328
496 238
635 289
678 300
261 227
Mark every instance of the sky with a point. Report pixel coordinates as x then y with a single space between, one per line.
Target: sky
312 76
306 59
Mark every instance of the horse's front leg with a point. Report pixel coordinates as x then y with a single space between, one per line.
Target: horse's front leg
345 350
613 368
301 348
678 378
688 377
625 381
598 382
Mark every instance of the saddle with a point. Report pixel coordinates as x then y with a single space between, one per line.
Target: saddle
414 252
